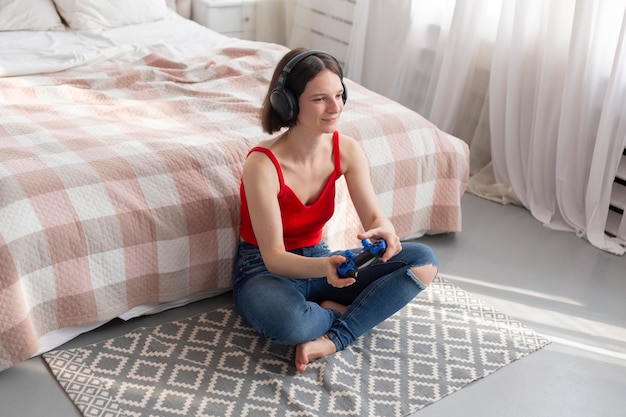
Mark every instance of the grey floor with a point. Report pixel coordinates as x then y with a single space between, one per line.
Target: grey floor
554 282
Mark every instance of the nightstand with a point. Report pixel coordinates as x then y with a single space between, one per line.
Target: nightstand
236 18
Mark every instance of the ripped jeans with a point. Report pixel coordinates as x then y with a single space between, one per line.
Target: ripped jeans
287 311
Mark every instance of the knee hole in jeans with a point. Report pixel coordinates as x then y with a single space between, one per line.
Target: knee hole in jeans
425 273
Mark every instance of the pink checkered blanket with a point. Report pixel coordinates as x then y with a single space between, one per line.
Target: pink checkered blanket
119 183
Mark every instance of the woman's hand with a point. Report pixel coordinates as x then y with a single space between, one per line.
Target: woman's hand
394 246
331 272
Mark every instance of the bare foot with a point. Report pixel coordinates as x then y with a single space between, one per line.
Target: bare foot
315 349
334 306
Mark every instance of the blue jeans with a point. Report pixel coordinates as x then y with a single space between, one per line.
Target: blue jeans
287 310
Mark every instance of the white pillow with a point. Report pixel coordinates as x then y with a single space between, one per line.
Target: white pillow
94 15
29 15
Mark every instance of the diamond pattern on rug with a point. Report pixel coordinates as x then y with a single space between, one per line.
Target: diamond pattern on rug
215 365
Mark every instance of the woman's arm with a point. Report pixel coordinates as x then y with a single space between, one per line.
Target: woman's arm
357 173
262 186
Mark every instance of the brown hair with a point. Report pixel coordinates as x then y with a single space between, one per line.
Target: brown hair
300 75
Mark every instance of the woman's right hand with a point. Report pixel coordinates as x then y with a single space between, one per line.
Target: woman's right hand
332 277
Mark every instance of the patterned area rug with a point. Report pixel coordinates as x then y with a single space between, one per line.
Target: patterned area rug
214 364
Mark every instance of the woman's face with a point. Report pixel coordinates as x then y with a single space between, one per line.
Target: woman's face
321 103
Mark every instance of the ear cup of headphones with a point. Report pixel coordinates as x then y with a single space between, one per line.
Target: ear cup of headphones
284 103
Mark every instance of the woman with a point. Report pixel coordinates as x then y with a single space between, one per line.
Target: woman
285 280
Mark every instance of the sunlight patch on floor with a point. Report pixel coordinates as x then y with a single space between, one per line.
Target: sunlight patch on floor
515 290
564 327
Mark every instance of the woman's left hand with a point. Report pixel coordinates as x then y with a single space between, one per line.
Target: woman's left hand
394 246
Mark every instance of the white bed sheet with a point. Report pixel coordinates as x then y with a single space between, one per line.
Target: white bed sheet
26 52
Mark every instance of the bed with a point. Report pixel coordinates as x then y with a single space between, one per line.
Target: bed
122 140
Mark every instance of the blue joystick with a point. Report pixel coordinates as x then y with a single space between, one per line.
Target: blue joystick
361 260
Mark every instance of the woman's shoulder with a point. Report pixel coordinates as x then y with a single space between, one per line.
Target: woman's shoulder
260 155
351 152
347 143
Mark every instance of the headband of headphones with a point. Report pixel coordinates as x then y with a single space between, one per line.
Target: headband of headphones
283 100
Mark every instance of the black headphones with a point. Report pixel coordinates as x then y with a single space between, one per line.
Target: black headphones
282 100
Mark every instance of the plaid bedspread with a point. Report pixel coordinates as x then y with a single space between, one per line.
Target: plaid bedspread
119 183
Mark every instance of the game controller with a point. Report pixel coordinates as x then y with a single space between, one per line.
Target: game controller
361 260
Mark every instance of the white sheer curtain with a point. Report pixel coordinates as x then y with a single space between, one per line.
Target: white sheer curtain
536 87
557 110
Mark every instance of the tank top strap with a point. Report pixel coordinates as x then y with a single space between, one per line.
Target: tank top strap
337 154
272 158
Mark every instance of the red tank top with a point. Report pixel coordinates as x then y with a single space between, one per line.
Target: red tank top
302 224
